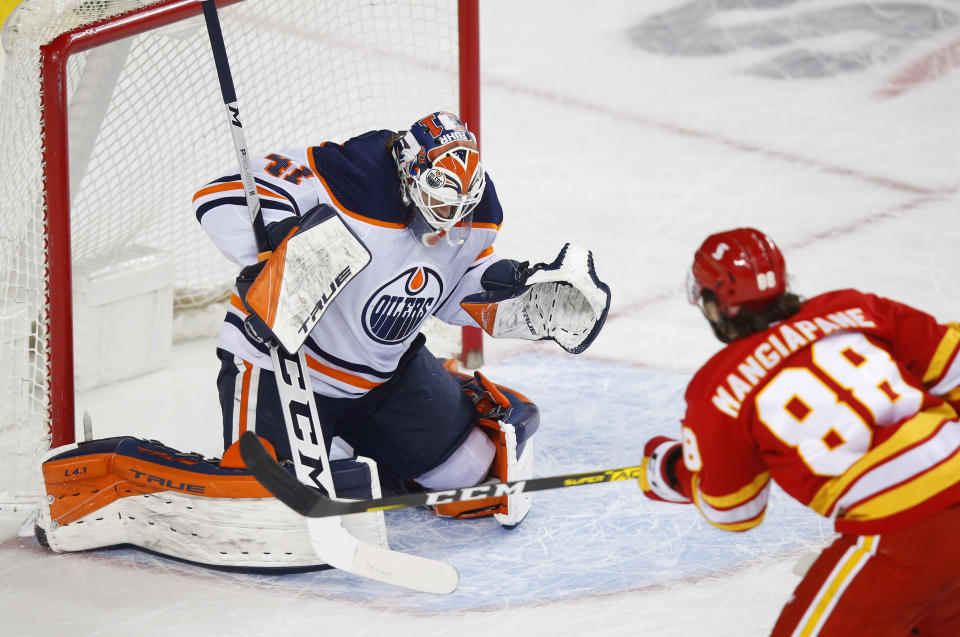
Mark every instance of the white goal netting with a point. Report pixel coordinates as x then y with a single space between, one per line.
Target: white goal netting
147 128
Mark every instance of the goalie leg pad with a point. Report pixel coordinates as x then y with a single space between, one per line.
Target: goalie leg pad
127 491
510 420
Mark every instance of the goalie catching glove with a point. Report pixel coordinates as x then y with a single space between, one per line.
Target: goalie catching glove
563 301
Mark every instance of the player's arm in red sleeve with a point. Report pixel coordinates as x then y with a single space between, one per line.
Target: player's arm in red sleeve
714 467
730 483
928 349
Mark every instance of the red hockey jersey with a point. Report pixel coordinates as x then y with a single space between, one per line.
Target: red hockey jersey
850 406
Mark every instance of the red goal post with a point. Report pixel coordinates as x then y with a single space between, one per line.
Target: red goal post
110 111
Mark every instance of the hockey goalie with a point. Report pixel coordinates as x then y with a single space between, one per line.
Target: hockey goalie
360 243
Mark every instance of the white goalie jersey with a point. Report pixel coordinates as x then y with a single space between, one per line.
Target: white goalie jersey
358 342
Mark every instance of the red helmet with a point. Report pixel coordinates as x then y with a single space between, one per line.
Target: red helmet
742 267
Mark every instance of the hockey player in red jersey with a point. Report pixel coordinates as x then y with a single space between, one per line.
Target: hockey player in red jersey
848 401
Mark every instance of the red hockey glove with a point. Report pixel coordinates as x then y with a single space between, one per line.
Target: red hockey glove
663 470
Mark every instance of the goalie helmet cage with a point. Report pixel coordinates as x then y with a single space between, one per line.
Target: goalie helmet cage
110 119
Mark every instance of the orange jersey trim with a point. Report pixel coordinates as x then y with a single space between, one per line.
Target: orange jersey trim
235 185
340 206
485 253
314 364
340 375
244 398
237 303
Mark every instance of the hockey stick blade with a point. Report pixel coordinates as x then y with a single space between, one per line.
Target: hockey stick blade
343 551
314 504
334 543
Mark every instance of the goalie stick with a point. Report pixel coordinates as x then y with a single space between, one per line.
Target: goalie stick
331 541
312 503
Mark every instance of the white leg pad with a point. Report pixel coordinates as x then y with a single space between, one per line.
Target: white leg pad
518 468
216 531
243 532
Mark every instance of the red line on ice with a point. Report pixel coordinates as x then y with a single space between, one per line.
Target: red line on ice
931 67
747 147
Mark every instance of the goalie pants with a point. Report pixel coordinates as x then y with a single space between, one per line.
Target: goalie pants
893 585
408 425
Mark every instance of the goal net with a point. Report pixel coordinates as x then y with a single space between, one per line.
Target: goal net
111 118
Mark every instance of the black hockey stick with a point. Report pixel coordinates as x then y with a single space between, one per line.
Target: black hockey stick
331 541
312 503
232 109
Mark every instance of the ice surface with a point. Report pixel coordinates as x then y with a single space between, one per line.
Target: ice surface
635 129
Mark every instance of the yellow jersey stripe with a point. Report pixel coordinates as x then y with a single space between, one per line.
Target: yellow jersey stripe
849 565
740 496
946 348
925 486
910 432
952 396
746 516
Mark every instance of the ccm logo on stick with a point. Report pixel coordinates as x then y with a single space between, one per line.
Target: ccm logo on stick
475 493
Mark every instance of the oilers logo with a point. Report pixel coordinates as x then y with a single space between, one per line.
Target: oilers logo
400 306
434 178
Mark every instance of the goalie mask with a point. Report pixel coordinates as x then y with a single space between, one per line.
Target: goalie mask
441 178
741 268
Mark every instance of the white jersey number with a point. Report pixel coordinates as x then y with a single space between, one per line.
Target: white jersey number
691 450
807 414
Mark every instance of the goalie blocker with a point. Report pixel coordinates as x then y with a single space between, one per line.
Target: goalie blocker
312 259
